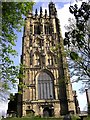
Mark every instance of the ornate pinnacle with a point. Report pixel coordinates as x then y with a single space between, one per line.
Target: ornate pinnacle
45 12
36 13
40 10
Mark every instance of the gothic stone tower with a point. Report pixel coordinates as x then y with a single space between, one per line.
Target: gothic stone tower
49 91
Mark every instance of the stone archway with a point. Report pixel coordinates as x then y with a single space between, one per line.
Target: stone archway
47 112
30 113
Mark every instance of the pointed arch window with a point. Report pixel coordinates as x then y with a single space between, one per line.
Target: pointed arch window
45 86
31 57
37 29
47 29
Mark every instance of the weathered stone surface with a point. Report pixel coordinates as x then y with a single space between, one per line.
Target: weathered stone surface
45 67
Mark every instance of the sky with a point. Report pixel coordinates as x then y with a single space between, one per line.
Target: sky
62 7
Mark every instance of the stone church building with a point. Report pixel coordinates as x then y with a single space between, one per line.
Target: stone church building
48 90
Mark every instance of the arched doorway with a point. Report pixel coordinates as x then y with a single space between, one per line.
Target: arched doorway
30 113
48 112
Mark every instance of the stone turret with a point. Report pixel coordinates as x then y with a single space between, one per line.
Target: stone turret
52 10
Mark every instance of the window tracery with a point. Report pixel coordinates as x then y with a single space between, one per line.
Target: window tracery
47 29
45 86
37 29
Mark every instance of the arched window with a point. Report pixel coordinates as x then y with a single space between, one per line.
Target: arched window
31 57
45 86
47 29
37 29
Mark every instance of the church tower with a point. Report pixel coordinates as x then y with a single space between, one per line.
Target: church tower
48 91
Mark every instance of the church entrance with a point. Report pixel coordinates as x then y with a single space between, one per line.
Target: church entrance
30 113
48 112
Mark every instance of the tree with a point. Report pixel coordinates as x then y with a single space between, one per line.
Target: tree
77 38
13 14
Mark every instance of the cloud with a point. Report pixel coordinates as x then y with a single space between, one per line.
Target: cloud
82 101
64 15
3 108
63 12
63 1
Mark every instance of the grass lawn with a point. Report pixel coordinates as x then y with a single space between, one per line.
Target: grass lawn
32 118
37 118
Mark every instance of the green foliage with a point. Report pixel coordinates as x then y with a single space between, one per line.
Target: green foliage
75 117
12 18
33 118
87 118
13 14
74 55
50 118
89 109
77 40
12 97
